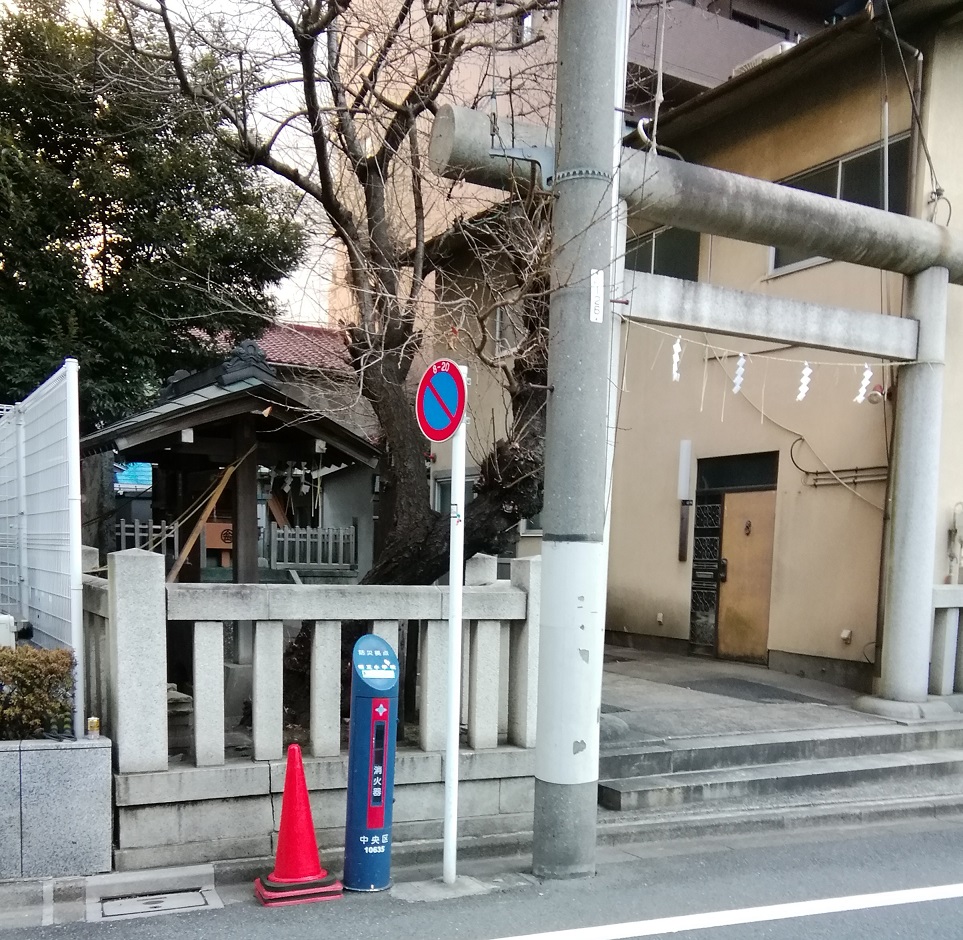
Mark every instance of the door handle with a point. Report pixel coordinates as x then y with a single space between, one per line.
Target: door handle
723 569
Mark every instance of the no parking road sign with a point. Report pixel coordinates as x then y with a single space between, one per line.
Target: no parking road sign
440 410
440 402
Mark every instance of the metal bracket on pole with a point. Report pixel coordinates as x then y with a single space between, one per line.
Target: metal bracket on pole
543 156
583 174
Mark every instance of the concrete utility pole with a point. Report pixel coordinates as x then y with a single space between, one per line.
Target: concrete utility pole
573 547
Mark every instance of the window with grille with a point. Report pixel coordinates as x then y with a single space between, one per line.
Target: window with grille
855 178
673 252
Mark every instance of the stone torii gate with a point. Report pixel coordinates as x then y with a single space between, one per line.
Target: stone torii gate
664 191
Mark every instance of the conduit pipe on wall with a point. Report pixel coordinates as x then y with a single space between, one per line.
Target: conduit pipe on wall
915 210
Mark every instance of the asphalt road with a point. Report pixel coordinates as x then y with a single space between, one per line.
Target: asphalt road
730 888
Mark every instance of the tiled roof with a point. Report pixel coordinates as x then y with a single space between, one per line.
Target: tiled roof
291 405
315 347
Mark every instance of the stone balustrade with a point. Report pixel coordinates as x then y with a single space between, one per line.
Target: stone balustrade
946 658
501 627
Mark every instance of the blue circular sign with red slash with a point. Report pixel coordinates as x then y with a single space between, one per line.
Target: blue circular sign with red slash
440 402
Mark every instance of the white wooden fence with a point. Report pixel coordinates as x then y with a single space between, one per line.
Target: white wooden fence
303 547
288 547
153 536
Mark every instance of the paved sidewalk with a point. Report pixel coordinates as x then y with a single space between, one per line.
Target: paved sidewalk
649 696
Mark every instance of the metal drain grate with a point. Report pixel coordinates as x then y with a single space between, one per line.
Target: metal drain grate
150 905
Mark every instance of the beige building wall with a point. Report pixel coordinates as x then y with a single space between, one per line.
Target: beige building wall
826 560
943 124
821 117
513 83
522 83
825 575
516 85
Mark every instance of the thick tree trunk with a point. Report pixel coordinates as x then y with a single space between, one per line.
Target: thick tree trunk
98 504
509 489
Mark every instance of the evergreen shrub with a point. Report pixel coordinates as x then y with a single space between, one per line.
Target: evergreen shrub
36 692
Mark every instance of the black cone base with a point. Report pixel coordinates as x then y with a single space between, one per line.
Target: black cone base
277 894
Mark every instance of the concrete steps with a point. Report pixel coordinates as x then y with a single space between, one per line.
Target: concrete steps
702 785
741 750
798 768
723 819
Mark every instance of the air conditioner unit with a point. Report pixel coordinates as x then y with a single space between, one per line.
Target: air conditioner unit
8 631
761 57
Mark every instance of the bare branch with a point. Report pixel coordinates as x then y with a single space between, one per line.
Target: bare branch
351 144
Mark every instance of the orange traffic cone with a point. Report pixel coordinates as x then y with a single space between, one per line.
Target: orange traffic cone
298 877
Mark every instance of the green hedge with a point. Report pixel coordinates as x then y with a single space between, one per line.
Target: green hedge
36 692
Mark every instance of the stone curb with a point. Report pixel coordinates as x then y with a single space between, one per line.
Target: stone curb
404 855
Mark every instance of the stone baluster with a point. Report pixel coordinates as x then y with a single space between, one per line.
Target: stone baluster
326 688
946 628
433 648
479 569
523 657
388 631
138 659
208 693
483 683
268 705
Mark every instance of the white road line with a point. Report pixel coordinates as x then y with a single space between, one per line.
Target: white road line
47 893
749 915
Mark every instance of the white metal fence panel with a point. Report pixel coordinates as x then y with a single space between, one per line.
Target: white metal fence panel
40 536
10 519
51 498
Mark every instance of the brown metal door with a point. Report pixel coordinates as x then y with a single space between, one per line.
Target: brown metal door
748 526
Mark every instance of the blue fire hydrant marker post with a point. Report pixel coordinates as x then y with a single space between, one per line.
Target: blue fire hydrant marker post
371 765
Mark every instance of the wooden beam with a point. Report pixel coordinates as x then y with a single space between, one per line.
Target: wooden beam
244 550
277 510
201 521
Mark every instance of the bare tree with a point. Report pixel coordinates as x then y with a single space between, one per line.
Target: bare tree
335 97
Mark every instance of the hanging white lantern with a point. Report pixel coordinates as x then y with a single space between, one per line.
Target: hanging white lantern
676 358
864 385
740 372
804 382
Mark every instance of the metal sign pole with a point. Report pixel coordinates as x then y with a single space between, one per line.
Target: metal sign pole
440 405
456 578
